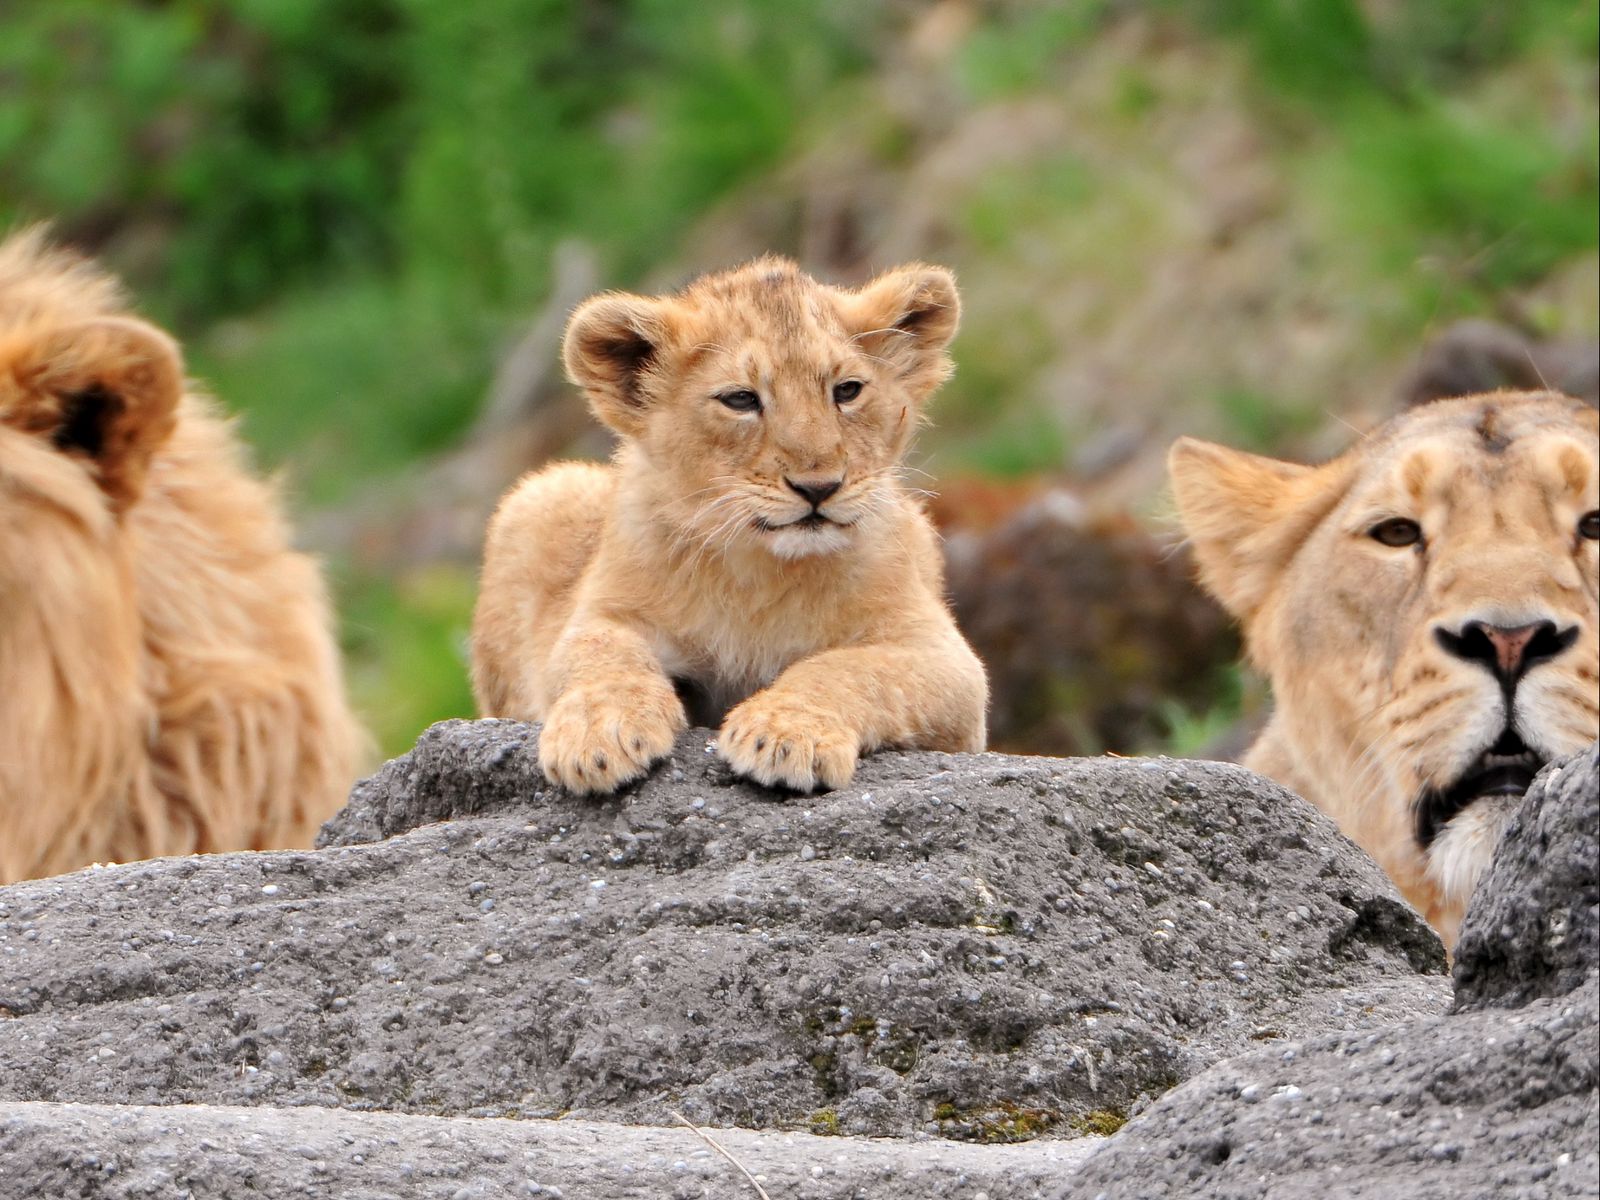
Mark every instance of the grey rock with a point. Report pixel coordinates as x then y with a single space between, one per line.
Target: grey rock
1487 1104
106 1152
1533 928
456 769
1474 355
1497 1099
981 946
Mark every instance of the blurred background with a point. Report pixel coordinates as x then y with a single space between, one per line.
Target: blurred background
1268 222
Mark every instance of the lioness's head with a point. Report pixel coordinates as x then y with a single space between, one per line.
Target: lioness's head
1425 606
771 410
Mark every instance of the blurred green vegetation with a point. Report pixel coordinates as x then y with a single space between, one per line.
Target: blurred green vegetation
348 207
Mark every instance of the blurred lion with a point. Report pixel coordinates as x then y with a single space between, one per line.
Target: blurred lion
752 545
1425 606
170 682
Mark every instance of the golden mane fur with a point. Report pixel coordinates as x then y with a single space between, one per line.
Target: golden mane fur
171 684
1425 607
698 559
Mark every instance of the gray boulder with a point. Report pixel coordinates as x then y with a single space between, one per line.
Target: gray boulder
1486 1102
982 946
1481 1105
1533 928
985 948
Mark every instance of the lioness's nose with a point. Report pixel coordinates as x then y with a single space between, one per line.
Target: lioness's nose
1508 651
815 490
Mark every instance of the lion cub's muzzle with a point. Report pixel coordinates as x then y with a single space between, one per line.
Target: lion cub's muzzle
816 493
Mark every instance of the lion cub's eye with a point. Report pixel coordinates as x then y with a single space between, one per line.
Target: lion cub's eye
1396 531
1589 525
742 400
847 391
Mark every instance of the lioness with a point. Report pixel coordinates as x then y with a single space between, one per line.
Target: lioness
170 684
1425 606
752 541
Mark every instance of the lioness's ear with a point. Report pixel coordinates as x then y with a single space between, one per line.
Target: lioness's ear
1246 516
106 390
612 345
907 317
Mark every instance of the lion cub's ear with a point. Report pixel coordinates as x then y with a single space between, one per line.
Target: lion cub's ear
1247 515
907 317
611 350
105 390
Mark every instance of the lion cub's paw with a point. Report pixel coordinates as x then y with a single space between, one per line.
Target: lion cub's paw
781 742
594 741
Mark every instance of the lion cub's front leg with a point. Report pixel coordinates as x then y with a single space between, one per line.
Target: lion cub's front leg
614 714
818 717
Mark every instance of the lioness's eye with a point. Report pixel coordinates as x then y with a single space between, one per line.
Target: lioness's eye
742 400
1589 525
1396 531
847 391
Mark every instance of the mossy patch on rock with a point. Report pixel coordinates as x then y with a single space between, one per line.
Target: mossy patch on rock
824 1123
1002 1121
1102 1122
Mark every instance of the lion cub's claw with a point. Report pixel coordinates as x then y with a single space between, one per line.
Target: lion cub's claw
593 744
784 744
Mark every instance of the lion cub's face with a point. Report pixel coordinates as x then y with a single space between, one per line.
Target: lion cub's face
768 409
1426 608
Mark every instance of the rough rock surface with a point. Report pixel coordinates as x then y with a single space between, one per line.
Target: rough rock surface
1486 1102
983 948
979 946
1534 925
112 1152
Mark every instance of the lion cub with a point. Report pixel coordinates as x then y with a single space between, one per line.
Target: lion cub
171 683
752 542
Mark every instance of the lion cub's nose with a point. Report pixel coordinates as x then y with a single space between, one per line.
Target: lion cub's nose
815 490
1507 651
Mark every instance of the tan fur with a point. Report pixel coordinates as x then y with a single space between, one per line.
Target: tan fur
603 586
170 681
1371 709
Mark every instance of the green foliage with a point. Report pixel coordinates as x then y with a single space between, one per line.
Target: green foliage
1425 142
1312 48
1026 44
726 88
1010 199
1013 446
1190 733
1455 183
253 145
347 383
251 140
406 644
1330 50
